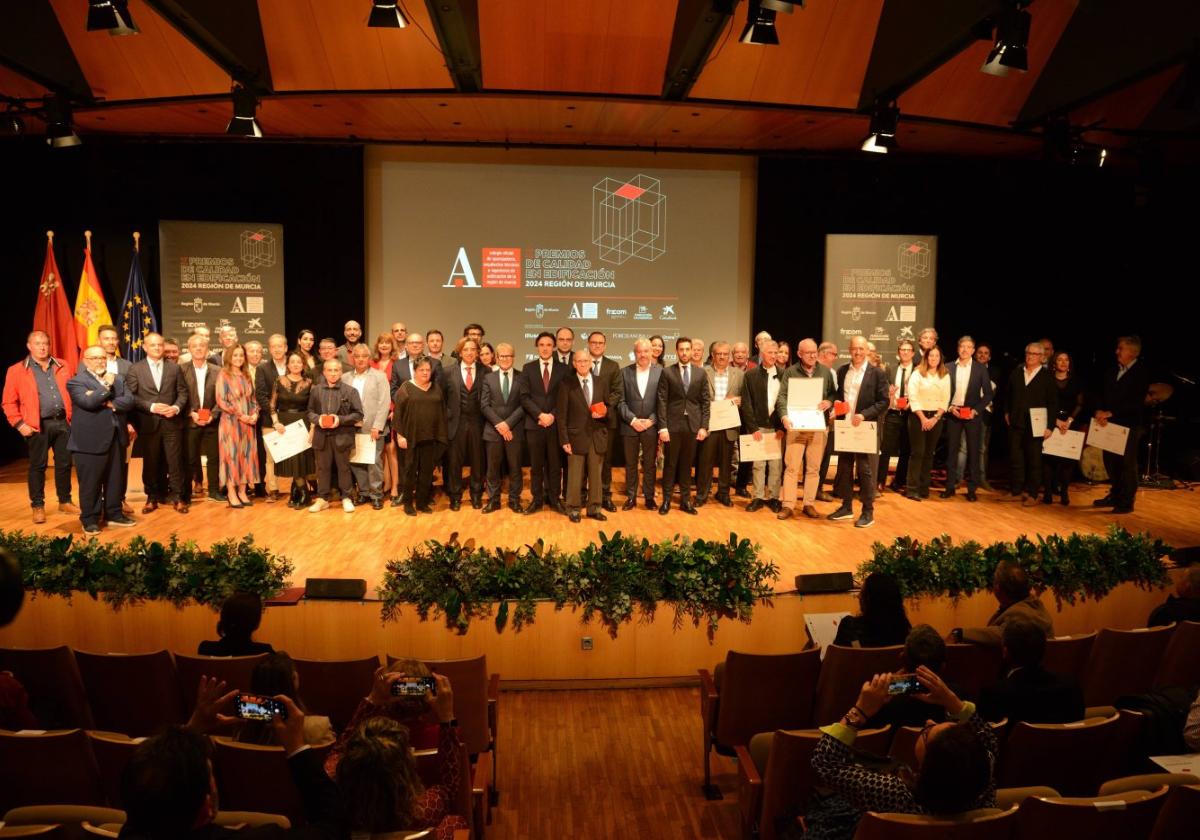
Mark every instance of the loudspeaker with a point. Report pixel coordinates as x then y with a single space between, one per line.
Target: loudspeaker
827 582
341 589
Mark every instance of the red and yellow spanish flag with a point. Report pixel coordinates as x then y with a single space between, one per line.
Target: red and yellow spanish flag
91 312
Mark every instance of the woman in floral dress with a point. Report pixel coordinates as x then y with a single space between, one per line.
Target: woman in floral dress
235 432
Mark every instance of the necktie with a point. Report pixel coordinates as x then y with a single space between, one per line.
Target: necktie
546 377
903 380
596 368
470 378
687 377
504 385
587 392
156 373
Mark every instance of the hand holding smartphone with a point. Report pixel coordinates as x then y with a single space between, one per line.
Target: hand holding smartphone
258 707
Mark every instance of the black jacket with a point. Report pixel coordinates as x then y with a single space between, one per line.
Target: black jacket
1033 695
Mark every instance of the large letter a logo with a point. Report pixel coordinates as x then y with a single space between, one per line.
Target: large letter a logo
461 273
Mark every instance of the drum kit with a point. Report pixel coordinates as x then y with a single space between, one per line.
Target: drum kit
1158 394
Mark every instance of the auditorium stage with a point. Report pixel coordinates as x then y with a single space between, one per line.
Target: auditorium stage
357 545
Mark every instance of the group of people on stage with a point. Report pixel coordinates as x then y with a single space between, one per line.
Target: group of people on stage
566 410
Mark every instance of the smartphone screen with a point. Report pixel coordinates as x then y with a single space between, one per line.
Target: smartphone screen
413 686
907 685
257 707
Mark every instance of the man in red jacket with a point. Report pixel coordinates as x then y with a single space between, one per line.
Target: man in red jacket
37 406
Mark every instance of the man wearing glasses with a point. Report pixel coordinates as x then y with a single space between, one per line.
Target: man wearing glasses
500 402
1031 393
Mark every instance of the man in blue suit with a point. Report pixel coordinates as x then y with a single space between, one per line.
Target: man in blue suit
639 423
970 394
98 439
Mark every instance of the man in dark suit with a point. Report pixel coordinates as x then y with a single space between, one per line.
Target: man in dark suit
269 370
98 439
200 431
1028 691
161 397
108 338
584 402
330 396
863 387
638 408
461 387
500 402
894 439
1029 387
414 348
610 371
970 391
540 381
1122 401
682 423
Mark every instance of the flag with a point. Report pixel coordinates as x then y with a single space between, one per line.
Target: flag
52 314
137 314
91 312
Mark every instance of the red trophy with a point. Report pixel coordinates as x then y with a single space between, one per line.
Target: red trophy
328 420
203 415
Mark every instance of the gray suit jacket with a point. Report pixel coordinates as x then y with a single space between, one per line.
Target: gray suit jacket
633 407
376 398
737 378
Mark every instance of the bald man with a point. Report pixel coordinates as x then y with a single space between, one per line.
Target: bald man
352 330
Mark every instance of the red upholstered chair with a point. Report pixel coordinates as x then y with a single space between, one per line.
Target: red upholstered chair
234 670
1069 757
51 679
1069 654
256 778
1180 814
1181 660
1123 815
112 751
1123 662
843 671
971 667
983 824
133 693
335 687
51 768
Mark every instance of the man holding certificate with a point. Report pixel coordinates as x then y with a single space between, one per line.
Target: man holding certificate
1122 399
862 397
805 394
725 396
1032 401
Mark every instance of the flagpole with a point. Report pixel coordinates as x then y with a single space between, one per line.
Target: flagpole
50 236
136 237
87 234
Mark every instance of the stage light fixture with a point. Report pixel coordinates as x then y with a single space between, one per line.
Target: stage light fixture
760 25
1088 154
12 124
387 14
244 123
1011 48
110 15
59 133
881 135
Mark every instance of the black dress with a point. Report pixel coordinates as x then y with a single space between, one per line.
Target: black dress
290 402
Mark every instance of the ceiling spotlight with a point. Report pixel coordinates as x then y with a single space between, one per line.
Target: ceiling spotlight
1011 48
1088 154
387 14
760 24
59 132
110 15
881 137
11 123
245 105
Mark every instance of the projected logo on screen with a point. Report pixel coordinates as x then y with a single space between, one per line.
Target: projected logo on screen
258 248
913 260
629 219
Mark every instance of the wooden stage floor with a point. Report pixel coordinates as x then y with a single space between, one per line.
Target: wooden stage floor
337 544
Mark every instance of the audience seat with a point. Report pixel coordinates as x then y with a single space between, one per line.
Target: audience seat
1146 781
775 775
71 819
759 693
1011 797
112 751
234 670
1123 662
843 671
982 824
137 694
1127 815
1179 815
256 778
904 741
51 679
49 768
250 819
971 667
1180 661
1069 654
335 687
1068 757
43 832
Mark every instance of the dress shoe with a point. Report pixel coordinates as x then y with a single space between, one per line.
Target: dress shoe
1028 501
424 509
91 529
630 503
666 506
914 496
724 500
744 492
824 496
755 505
983 485
971 497
1047 498
216 497
559 508
573 515
1106 501
688 507
786 513
1123 509
701 499
377 504
775 505
409 509
533 508
122 522
477 502
896 488
810 512
455 504
197 488
150 506
67 507
650 505
492 506
1066 499
39 516
181 507
946 494
597 515
514 505
608 505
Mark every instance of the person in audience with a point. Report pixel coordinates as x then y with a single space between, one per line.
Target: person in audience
955 761
375 396
923 647
658 348
304 346
377 772
1122 401
1059 471
337 402
12 587
504 431
1030 388
1184 605
1011 587
289 403
1191 727
881 620
14 701
760 393
240 616
235 427
639 423
272 677
928 399
169 791
1028 691
421 434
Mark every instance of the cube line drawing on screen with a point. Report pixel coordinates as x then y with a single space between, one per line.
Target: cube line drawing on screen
629 219
912 260
258 248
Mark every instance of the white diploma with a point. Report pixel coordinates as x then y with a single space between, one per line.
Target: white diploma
862 438
766 449
723 414
1111 437
1069 445
1037 421
803 397
293 441
822 628
364 449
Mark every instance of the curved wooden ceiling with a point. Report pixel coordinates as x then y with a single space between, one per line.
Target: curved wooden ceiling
593 73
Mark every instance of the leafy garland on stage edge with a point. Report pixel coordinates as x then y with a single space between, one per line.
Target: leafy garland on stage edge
1078 566
179 572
